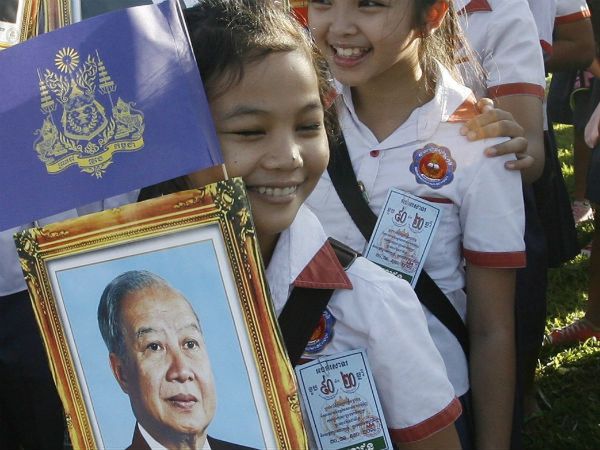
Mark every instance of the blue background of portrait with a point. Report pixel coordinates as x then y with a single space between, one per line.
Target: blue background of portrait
193 269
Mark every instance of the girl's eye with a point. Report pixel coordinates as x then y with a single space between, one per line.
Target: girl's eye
369 3
249 133
320 2
316 126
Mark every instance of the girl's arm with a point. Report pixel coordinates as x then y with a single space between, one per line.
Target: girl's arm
446 439
490 312
573 46
526 131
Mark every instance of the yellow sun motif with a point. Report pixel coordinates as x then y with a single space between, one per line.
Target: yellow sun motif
67 59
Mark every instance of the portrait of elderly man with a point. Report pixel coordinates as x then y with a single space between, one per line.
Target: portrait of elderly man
158 356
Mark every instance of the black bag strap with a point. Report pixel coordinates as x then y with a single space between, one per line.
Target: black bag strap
304 308
353 198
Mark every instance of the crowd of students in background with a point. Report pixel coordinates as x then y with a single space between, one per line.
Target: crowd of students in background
574 97
404 72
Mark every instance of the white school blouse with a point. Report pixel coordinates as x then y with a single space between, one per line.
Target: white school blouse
481 202
503 35
373 310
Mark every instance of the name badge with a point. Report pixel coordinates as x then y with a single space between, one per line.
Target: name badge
403 234
341 403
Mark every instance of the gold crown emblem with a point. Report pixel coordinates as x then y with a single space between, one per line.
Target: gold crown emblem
83 125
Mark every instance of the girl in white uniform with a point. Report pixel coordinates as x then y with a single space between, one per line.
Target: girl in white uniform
266 89
400 106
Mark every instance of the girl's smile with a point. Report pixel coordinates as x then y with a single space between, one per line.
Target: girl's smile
271 130
364 40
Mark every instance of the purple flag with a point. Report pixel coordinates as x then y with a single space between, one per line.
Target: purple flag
99 108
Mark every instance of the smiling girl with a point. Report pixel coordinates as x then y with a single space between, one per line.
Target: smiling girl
266 87
401 111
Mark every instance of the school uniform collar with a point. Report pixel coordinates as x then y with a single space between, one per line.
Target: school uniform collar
452 102
471 6
304 258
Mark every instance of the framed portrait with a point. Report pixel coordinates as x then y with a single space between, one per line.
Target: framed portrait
201 246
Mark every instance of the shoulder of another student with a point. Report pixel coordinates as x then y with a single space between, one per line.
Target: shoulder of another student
504 13
509 29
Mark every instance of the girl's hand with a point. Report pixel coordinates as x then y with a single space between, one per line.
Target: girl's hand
495 122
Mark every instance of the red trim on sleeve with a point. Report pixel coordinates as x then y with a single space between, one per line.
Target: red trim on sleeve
499 260
476 6
467 110
574 17
324 271
516 89
426 428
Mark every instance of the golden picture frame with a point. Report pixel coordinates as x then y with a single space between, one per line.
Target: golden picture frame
203 243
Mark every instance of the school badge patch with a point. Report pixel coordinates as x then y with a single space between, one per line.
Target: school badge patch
433 165
322 334
84 124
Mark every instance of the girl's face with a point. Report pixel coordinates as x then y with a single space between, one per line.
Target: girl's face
271 130
364 39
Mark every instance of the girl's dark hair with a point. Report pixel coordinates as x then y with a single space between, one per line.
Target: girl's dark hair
229 35
443 44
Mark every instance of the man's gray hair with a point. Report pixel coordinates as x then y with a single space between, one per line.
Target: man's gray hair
109 309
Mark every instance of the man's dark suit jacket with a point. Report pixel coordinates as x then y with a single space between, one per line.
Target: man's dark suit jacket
139 443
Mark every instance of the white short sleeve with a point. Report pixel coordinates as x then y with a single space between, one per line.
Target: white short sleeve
492 216
383 315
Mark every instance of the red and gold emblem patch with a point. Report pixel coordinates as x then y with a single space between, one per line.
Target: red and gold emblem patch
433 165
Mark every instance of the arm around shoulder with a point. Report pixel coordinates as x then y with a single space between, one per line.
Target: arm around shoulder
527 112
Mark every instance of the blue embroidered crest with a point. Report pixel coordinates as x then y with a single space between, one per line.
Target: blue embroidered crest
433 165
322 334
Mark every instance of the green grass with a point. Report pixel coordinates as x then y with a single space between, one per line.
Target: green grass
569 378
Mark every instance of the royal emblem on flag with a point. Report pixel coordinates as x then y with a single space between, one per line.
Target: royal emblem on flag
433 165
84 126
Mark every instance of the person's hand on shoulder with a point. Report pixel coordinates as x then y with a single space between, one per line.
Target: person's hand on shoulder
495 122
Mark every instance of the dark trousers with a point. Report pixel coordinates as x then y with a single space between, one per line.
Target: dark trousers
31 415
